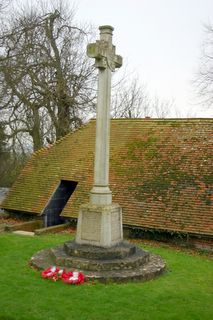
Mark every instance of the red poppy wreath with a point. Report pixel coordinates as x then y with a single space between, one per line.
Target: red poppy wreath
74 277
55 274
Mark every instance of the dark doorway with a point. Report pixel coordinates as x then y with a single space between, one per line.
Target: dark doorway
57 203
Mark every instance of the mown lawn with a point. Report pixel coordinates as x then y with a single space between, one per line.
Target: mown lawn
184 292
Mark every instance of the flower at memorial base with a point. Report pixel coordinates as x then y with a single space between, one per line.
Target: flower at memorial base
61 273
53 273
74 277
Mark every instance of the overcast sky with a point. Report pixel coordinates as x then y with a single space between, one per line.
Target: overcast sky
159 39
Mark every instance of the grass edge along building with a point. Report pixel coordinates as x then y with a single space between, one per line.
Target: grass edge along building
160 173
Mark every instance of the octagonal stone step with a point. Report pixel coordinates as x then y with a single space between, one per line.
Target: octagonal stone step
138 258
119 251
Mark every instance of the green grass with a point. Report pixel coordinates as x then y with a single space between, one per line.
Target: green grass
184 292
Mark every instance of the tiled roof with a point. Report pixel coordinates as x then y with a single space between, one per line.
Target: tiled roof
160 173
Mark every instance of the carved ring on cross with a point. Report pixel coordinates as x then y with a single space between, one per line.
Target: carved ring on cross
104 54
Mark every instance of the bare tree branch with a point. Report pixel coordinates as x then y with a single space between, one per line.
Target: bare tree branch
204 79
44 67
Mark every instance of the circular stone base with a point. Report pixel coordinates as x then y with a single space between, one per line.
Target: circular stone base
121 263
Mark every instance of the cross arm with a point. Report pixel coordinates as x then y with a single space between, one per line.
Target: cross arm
104 55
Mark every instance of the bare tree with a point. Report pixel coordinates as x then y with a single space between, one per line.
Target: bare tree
130 99
4 4
47 82
204 79
162 108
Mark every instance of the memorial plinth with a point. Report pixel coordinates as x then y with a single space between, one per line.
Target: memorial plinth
100 225
120 263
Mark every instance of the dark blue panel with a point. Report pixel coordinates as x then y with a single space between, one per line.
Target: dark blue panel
57 202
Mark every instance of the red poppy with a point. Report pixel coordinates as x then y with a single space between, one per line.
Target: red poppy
74 277
53 273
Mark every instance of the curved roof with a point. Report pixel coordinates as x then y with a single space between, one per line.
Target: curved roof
160 173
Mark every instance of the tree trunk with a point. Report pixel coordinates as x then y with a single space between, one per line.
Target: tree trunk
35 132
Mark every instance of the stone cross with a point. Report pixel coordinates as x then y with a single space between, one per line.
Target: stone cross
106 61
100 220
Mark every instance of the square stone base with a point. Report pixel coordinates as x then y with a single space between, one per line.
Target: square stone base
100 225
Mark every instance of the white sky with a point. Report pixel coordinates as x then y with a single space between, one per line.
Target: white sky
159 39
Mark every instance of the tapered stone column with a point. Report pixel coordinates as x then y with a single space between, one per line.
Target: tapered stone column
106 61
100 221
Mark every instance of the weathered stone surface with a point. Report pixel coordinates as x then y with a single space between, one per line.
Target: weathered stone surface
136 265
106 61
42 260
138 258
100 225
119 251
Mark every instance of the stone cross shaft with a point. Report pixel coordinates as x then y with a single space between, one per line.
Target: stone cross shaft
106 61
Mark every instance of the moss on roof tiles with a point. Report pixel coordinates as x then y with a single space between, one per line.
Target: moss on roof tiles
160 173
